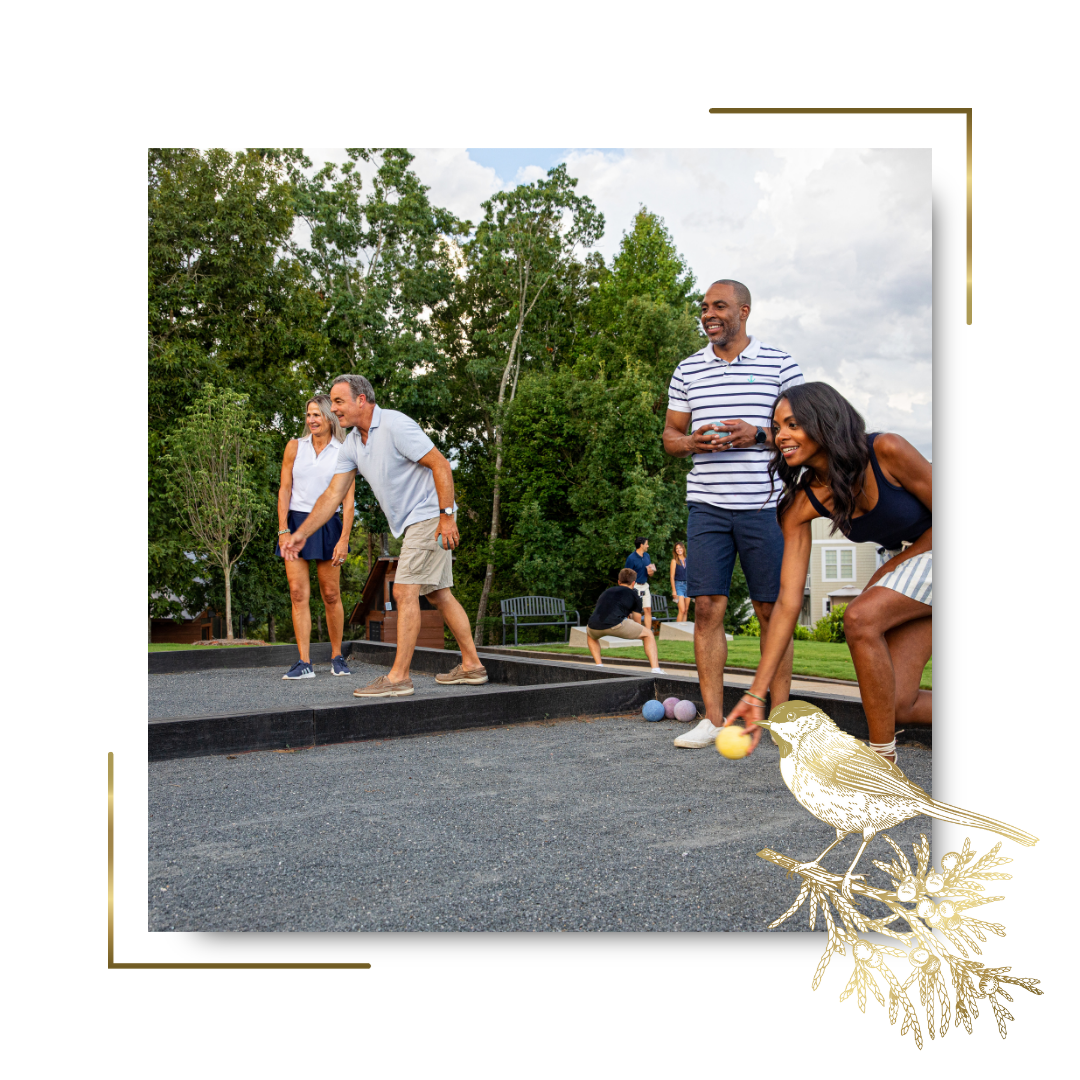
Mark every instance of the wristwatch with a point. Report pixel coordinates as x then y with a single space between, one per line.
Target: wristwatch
447 510
760 437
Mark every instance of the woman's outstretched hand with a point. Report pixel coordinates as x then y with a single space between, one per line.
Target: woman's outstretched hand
749 711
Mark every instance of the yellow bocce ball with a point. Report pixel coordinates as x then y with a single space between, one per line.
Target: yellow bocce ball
733 742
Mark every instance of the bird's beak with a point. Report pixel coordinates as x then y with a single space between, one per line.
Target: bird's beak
766 724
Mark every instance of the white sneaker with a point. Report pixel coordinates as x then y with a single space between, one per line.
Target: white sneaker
703 735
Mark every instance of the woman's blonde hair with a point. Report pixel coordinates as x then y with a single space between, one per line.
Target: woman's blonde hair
323 401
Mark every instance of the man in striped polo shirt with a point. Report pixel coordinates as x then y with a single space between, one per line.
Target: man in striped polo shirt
720 404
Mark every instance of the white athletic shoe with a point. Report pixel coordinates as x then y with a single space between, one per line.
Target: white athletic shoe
658 671
703 735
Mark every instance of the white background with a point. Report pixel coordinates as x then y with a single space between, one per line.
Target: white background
89 90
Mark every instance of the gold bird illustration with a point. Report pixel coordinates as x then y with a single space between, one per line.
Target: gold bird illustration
844 783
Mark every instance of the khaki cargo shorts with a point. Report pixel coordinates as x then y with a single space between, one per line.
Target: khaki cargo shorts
626 629
422 562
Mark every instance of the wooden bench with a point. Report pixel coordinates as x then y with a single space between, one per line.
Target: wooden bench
532 610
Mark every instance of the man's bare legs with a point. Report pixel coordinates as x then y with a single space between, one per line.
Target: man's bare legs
710 653
408 627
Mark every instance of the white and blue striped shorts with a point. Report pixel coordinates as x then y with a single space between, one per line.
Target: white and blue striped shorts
914 578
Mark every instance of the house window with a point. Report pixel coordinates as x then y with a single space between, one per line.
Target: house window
838 564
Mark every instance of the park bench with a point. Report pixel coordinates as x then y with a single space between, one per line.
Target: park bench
660 611
532 610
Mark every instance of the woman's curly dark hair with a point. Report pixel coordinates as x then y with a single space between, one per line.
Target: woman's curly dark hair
832 422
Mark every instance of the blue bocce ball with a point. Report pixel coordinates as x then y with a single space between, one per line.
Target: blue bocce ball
653 710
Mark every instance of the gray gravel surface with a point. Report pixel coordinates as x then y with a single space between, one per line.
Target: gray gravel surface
563 825
203 693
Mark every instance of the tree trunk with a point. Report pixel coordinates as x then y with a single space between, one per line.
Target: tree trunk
370 563
228 604
489 573
272 627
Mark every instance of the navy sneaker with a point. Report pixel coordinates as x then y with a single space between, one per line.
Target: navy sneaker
300 670
339 667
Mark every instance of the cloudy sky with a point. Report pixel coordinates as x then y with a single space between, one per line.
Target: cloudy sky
834 245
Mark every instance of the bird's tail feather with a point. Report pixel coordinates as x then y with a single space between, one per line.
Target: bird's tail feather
978 821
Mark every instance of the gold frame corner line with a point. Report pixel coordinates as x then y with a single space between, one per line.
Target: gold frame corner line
113 963
893 111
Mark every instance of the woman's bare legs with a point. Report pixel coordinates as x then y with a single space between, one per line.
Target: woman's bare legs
330 587
890 639
684 608
300 593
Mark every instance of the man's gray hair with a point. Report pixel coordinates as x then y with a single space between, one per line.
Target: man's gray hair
742 293
357 385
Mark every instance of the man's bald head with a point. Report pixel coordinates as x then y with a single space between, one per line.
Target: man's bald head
742 293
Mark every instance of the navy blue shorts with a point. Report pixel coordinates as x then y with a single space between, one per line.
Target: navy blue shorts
320 545
715 535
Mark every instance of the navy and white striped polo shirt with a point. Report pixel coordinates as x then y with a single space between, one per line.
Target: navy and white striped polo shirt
713 390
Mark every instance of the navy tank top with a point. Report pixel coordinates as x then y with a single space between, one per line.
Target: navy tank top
897 516
680 571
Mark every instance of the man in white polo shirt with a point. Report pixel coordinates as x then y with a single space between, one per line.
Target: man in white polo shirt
720 404
414 485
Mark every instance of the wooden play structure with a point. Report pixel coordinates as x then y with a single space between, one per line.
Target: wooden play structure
377 610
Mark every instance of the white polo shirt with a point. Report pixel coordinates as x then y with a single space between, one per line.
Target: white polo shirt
404 489
311 472
712 390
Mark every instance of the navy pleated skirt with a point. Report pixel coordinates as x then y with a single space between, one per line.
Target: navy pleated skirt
320 545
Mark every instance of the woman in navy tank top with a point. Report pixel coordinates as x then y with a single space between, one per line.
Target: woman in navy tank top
306 472
677 572
875 488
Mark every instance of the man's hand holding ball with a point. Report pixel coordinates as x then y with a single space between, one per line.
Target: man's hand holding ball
447 536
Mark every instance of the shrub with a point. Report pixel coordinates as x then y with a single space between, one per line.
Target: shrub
831 627
803 633
751 628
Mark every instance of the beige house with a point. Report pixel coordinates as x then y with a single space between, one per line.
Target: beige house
839 569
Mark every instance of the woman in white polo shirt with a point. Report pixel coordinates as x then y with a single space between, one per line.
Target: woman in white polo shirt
306 472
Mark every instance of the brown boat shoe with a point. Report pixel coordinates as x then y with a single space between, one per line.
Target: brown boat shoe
383 687
458 674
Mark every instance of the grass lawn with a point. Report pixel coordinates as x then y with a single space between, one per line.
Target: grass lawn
825 659
179 648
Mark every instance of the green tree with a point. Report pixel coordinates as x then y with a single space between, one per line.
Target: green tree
211 479
520 263
584 465
382 260
224 306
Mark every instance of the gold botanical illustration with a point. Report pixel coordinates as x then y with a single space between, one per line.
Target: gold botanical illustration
845 784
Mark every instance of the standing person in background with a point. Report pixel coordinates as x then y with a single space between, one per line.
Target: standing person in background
720 405
615 616
875 488
307 468
414 486
639 561
678 581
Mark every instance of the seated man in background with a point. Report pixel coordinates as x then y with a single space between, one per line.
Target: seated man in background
612 618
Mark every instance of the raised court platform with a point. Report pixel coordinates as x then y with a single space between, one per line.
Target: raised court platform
220 702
